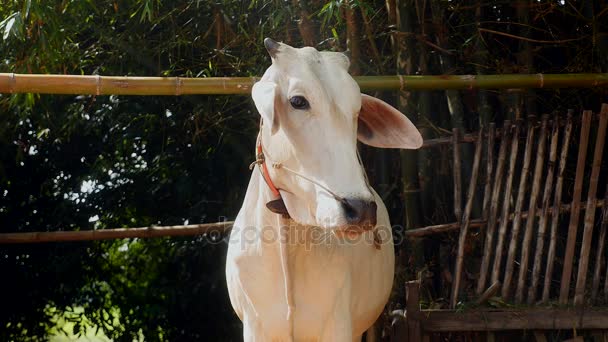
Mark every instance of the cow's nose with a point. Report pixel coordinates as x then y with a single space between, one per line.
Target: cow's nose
360 211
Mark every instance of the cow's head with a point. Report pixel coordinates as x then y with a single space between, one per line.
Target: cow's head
313 113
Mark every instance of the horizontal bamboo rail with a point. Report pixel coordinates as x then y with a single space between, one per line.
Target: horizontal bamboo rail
129 85
206 228
115 233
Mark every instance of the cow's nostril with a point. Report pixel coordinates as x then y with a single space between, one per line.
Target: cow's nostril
359 212
350 211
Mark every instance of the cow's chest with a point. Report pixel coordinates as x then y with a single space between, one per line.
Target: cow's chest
322 270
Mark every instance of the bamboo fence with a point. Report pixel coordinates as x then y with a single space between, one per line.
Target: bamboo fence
131 85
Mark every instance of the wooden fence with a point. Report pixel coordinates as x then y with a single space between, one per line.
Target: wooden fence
537 257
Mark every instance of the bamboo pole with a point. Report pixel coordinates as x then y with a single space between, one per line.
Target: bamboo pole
557 199
544 216
116 233
487 251
190 230
506 205
466 220
134 85
599 257
477 223
574 215
583 260
517 217
525 246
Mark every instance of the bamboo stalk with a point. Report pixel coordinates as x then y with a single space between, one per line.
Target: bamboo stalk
523 180
133 85
525 247
544 216
116 233
457 174
466 220
506 206
583 260
557 199
489 293
574 215
489 168
493 209
352 34
600 248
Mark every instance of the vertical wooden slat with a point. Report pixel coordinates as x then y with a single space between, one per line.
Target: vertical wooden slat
575 208
544 216
466 220
521 192
506 205
583 260
457 174
525 245
487 193
600 248
557 199
483 272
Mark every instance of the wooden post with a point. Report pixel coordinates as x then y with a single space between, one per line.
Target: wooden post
521 192
466 220
487 251
412 292
544 216
506 205
555 213
583 263
525 246
574 214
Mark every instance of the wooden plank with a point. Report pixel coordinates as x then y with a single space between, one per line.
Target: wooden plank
412 292
516 319
599 257
488 245
487 193
506 205
457 174
583 263
557 199
525 245
544 216
466 220
574 215
521 192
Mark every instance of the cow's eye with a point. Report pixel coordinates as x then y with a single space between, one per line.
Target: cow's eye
299 102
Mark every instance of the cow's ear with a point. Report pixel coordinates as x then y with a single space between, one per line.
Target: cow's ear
266 101
381 125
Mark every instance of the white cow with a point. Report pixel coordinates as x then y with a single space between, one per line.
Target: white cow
311 252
